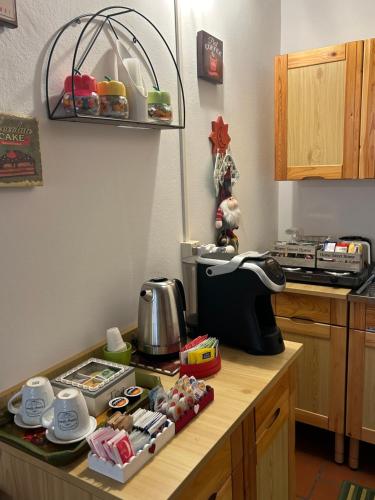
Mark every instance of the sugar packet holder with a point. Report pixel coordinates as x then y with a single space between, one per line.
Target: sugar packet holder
197 408
123 473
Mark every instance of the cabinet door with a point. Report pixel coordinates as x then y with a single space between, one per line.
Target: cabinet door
317 113
367 150
320 399
360 422
272 461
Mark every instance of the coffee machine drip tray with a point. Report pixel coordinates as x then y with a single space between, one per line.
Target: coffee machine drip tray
344 279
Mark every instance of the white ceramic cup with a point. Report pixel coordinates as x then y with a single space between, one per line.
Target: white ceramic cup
36 397
69 417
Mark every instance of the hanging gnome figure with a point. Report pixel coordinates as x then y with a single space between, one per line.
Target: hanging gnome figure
225 177
228 212
228 219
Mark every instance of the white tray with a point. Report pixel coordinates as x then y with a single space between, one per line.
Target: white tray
123 473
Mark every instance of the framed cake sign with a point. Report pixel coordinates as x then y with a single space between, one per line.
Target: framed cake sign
20 161
209 57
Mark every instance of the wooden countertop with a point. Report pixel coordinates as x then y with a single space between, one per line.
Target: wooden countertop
318 290
241 381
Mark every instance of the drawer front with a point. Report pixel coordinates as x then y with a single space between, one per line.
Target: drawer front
294 305
272 408
211 478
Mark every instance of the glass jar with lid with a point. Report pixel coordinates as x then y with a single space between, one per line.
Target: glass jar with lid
159 106
85 97
112 99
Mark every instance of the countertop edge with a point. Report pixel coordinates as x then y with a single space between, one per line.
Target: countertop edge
317 290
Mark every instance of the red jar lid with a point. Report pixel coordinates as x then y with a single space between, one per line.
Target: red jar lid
84 85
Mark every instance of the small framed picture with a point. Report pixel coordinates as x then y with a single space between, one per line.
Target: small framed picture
20 161
209 57
8 13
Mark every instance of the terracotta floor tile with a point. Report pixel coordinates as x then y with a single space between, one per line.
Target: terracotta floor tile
307 470
333 472
318 476
325 490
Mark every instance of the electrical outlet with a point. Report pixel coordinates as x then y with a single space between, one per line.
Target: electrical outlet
187 248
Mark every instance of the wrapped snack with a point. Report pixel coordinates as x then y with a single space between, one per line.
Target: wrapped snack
157 397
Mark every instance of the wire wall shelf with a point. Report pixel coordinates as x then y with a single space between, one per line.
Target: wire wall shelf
113 18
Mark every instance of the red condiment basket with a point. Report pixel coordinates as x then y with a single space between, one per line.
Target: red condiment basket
202 370
193 412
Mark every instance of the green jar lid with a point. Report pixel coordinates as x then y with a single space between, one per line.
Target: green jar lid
158 97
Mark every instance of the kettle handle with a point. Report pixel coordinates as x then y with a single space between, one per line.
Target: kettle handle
180 287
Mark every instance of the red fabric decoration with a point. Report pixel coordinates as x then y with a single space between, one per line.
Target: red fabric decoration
219 136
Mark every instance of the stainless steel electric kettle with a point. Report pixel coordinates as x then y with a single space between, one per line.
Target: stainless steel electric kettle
161 320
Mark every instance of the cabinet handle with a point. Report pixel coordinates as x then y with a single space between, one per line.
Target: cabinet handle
273 418
312 177
370 329
297 319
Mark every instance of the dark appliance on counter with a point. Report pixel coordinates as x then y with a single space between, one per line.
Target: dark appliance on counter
345 279
234 300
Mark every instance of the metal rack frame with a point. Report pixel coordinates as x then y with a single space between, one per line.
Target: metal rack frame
103 17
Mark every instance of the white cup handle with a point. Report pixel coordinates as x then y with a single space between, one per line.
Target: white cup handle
11 406
47 424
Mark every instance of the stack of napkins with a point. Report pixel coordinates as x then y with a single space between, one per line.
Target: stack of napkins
200 350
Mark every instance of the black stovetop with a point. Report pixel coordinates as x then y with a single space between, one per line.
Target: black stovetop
332 278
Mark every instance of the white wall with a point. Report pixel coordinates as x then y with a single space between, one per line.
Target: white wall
75 252
250 31
326 207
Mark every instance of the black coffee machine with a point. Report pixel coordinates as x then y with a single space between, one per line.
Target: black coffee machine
234 300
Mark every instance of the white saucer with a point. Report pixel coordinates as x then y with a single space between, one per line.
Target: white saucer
20 423
50 435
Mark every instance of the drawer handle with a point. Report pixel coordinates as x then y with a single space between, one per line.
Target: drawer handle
370 329
297 319
312 177
274 418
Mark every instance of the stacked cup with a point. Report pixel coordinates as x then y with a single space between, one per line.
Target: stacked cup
36 396
68 419
116 349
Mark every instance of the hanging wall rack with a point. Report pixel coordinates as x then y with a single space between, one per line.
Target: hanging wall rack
111 17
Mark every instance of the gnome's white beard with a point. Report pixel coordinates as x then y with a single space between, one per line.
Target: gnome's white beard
230 216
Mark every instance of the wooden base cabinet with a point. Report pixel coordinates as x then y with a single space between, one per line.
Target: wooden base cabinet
255 462
360 422
260 464
319 323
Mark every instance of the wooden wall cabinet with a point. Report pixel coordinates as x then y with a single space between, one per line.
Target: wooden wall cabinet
318 113
360 418
320 324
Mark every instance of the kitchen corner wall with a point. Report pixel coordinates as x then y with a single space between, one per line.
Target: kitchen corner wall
250 31
326 207
75 252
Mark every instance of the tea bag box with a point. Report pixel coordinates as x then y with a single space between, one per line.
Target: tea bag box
98 380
